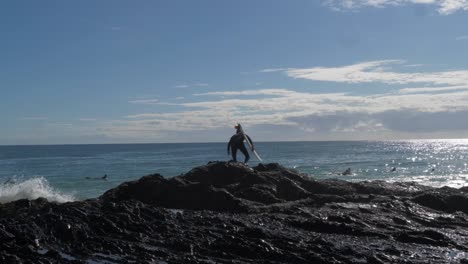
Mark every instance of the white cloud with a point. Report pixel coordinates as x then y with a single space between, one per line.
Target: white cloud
144 101
196 84
433 89
273 70
450 6
360 126
292 103
444 7
247 92
283 107
378 72
35 118
413 65
465 37
56 125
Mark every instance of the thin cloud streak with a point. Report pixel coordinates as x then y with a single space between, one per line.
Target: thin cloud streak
462 37
35 118
378 72
144 101
273 70
196 84
432 89
443 7
247 92
414 65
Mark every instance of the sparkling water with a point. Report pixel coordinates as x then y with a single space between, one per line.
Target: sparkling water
70 172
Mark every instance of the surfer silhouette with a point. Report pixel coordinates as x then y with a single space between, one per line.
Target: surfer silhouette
346 172
97 178
237 143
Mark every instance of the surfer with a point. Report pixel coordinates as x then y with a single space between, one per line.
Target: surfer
237 143
97 178
346 172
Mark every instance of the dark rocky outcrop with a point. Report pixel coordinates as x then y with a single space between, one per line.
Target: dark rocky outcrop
230 213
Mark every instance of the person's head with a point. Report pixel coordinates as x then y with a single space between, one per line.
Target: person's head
237 127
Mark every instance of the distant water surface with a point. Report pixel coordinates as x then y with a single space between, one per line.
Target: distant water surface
60 172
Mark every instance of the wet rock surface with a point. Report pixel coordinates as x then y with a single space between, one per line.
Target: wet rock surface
229 213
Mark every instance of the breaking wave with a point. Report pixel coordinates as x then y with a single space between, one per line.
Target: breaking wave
31 189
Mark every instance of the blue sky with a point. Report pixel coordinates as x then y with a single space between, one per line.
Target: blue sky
186 71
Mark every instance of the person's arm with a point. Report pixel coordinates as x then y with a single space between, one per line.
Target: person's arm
251 142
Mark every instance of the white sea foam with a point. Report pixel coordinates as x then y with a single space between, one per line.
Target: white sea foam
437 181
31 189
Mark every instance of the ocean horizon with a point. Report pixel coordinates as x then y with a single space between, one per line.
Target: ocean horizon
225 142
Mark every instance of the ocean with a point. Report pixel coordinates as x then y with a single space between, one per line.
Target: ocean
73 172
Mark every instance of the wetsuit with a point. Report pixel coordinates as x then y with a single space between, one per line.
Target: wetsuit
237 143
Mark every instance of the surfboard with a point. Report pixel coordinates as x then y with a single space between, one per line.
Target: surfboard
248 142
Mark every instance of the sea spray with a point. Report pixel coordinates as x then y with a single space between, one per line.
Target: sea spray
31 189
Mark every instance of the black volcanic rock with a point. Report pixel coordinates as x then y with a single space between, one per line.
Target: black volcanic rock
230 213
449 201
221 186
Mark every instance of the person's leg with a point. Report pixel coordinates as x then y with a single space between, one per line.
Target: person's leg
245 152
234 153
